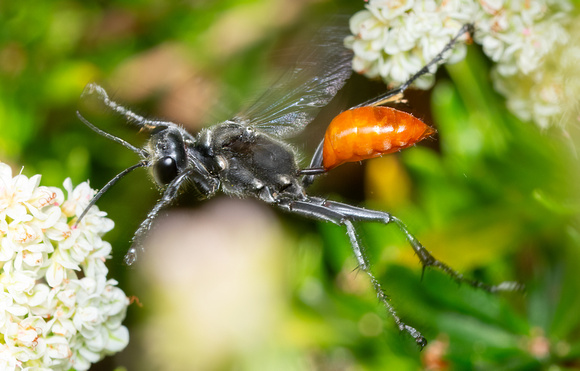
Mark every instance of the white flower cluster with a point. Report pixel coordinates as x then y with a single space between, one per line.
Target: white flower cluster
58 311
395 38
530 43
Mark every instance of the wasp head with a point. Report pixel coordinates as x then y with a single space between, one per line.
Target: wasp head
167 151
173 153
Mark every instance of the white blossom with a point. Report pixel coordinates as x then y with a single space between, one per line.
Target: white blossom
538 74
518 34
395 38
58 310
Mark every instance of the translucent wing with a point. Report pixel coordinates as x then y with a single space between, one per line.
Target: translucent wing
295 99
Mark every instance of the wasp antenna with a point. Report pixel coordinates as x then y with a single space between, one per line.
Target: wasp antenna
131 116
93 88
107 186
141 152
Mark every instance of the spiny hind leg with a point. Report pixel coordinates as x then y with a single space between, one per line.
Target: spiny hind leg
318 209
427 260
397 93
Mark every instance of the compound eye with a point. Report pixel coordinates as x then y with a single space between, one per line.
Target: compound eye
165 170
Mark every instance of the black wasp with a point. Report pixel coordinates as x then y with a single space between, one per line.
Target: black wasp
248 157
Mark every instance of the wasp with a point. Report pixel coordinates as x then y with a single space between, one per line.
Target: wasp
247 156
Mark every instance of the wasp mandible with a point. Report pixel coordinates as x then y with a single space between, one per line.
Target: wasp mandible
247 156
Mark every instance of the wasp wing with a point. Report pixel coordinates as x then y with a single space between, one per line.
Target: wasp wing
295 99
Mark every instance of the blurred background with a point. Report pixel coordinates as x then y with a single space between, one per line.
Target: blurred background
232 284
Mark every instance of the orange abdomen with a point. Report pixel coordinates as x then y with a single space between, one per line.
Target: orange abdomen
368 132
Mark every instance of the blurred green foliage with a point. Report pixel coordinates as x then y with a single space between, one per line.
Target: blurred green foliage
493 197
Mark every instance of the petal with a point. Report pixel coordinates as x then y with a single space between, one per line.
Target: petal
118 339
55 274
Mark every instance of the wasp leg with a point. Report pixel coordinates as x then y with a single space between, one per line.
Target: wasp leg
389 96
312 171
131 116
315 163
139 151
168 196
318 209
427 260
